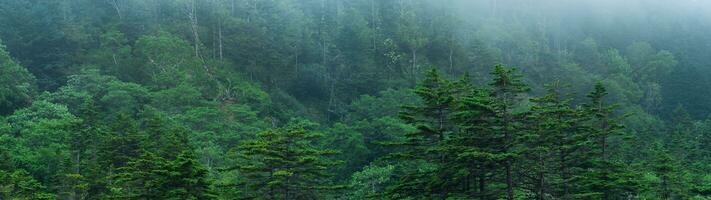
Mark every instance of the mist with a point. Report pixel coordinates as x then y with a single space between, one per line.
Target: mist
355 99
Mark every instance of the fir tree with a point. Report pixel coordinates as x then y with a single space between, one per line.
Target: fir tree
122 143
21 185
432 118
188 179
554 141
476 144
144 177
283 163
605 177
507 89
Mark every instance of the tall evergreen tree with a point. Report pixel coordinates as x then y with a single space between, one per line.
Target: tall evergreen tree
507 90
283 163
475 145
187 179
555 141
432 118
605 178
122 143
21 185
143 177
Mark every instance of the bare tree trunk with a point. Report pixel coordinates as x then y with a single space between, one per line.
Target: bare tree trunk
541 177
115 4
509 181
214 42
65 10
191 12
414 64
482 185
296 61
219 34
323 51
323 32
332 98
451 60
494 7
232 8
564 175
373 15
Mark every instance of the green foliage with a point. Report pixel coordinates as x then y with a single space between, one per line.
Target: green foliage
152 177
161 99
282 163
350 144
18 85
370 182
20 185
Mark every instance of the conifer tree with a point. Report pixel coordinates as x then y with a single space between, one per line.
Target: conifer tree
475 144
666 168
283 163
163 138
507 89
187 179
144 177
82 174
432 118
554 141
122 143
21 185
605 178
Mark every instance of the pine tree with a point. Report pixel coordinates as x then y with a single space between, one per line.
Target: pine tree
432 118
163 138
667 169
144 177
508 87
122 143
187 179
82 174
119 145
152 177
554 141
283 163
21 185
475 144
605 178
423 150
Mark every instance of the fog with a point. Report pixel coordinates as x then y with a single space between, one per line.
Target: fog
355 99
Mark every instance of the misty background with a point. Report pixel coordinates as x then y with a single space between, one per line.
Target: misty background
196 91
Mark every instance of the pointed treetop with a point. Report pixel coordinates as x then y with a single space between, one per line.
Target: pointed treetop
598 93
508 80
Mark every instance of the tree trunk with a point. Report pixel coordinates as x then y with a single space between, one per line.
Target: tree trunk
192 15
219 34
509 181
115 4
508 141
482 185
541 177
373 25
296 61
451 60
232 8
494 6
564 176
413 69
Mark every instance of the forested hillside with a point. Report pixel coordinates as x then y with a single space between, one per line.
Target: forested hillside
355 99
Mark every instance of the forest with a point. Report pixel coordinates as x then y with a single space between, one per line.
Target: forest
355 99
